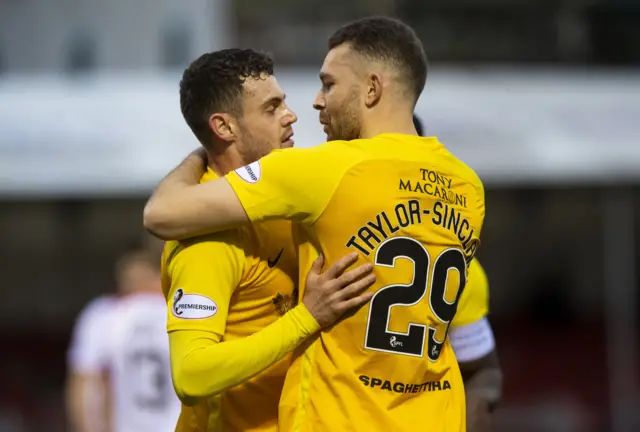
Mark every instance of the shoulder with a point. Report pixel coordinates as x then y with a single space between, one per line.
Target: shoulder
476 271
100 303
206 245
91 326
335 152
458 164
96 308
464 171
139 305
474 302
477 283
347 151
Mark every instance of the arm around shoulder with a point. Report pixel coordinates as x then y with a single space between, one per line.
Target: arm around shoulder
180 207
294 184
191 210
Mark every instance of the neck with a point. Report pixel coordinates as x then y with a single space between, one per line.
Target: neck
151 289
226 161
387 120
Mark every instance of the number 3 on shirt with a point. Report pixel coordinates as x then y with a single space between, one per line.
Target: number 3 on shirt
378 337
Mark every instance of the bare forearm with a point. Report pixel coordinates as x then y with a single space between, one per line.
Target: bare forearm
482 393
164 207
85 397
108 403
75 408
485 384
483 388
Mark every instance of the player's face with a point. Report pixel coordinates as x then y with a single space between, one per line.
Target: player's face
266 121
339 98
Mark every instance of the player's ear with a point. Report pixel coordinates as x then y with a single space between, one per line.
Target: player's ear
222 126
374 90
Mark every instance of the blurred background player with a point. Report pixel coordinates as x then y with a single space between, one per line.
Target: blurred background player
232 298
472 341
86 385
118 376
141 395
87 373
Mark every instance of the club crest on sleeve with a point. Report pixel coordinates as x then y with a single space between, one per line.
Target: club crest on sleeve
192 306
250 173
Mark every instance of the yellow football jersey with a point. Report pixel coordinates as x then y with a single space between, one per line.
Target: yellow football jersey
471 336
415 211
233 284
474 302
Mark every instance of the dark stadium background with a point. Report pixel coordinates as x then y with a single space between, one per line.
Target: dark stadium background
560 238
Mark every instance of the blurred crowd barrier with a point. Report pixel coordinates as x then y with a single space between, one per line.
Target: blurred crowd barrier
118 133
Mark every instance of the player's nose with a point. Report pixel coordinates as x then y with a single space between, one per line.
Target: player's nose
289 117
318 103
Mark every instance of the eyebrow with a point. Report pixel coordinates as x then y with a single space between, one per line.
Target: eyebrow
324 76
274 100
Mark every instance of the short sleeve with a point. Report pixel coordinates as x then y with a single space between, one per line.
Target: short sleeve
202 275
474 303
87 351
294 184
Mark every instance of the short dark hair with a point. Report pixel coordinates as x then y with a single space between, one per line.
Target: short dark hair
213 83
417 123
389 40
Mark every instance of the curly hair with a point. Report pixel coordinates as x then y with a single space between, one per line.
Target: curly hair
213 83
388 40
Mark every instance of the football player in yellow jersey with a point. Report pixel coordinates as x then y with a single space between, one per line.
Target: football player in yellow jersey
474 345
403 202
226 291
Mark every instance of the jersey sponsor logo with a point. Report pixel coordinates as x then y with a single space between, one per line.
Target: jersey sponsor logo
400 387
193 306
394 342
250 173
435 184
272 262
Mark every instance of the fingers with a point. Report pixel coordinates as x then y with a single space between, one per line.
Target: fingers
354 275
341 265
357 287
356 301
316 267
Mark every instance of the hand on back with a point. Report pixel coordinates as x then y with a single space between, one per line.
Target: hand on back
329 295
